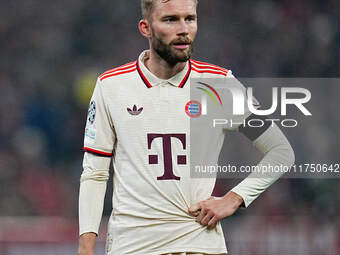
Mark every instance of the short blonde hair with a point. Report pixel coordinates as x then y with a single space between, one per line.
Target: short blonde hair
147 7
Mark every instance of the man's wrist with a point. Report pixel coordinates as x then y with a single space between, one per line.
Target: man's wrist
235 198
87 243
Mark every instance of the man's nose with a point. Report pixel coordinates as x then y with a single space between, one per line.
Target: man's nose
183 28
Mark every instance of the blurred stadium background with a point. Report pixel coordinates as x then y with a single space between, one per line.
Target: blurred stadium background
51 53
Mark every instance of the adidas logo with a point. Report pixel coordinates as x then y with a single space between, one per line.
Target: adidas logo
134 110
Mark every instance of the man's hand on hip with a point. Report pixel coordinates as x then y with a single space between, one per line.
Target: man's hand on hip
209 212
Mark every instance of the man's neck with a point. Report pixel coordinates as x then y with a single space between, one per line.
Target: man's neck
160 68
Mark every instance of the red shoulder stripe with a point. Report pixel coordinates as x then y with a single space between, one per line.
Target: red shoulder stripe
100 153
209 71
123 67
200 67
118 73
207 64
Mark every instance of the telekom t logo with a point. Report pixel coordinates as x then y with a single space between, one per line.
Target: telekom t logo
167 155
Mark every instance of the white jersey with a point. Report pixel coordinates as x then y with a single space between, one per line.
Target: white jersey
140 121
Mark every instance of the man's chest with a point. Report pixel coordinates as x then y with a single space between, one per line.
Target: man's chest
157 109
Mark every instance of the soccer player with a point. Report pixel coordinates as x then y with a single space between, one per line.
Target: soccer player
137 119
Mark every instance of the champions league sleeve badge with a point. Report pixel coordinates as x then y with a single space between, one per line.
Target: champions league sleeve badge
91 115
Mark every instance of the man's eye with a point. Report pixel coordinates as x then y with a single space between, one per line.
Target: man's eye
170 19
190 19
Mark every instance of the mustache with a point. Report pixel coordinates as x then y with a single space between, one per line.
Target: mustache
184 40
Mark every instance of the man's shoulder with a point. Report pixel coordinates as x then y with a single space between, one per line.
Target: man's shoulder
118 72
207 68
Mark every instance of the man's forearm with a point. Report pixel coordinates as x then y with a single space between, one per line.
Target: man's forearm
278 152
92 192
91 203
91 200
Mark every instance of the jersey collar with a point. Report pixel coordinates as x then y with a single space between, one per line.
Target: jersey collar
151 80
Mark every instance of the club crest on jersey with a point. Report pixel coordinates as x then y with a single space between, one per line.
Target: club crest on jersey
134 110
193 109
91 115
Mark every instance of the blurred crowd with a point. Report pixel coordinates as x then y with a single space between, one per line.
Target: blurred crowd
52 51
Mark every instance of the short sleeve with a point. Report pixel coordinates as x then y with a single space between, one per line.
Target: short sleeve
99 131
235 102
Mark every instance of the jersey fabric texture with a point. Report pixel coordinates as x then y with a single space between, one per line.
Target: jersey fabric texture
189 253
140 121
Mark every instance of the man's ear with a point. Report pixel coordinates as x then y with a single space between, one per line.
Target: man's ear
144 27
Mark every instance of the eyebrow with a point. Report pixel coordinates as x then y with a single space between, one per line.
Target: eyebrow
177 16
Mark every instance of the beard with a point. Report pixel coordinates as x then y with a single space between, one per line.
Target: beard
168 53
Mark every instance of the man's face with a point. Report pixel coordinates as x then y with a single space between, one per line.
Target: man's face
174 27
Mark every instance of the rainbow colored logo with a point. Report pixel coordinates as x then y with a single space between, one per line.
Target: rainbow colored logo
210 91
